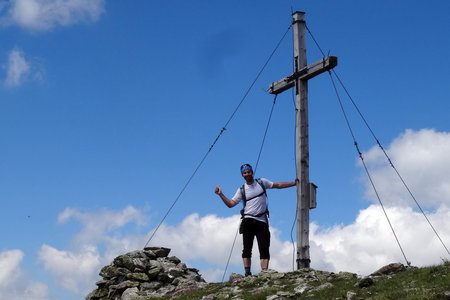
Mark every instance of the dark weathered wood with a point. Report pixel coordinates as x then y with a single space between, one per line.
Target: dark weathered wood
306 73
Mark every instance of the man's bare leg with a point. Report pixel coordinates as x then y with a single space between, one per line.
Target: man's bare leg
264 264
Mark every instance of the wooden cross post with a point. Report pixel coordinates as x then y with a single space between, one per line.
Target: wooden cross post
306 191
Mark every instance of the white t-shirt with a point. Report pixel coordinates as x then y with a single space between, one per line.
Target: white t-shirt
257 205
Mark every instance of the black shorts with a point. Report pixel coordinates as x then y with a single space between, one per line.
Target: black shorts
253 228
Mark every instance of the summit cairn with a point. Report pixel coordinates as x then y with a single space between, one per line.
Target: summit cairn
143 273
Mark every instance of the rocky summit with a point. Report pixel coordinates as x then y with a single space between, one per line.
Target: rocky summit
151 273
143 274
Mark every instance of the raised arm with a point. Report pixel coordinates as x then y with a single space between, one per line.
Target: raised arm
282 185
228 202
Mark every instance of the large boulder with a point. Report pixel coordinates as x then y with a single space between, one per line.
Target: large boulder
389 269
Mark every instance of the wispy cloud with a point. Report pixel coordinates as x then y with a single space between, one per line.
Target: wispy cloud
17 68
13 284
43 15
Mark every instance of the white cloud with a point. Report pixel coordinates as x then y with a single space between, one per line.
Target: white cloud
13 283
9 266
97 225
41 15
17 69
422 159
74 271
199 237
369 243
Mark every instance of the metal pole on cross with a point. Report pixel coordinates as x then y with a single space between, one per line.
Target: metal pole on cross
306 190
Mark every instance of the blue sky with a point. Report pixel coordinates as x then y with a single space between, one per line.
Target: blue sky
107 108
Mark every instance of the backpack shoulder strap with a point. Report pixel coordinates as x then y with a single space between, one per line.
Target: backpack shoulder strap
244 199
259 181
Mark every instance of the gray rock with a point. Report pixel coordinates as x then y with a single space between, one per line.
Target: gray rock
102 282
108 271
139 264
159 251
130 294
300 289
165 278
150 254
324 286
154 271
174 259
98 293
234 277
138 276
124 285
351 295
182 266
176 272
122 272
124 261
347 275
152 285
389 269
365 282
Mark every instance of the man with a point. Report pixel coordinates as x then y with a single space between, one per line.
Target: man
255 214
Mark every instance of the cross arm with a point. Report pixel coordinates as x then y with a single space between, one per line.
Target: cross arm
306 73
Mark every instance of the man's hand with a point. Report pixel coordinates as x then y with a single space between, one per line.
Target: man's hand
218 190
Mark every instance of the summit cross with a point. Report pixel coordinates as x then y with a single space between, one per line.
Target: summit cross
306 191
